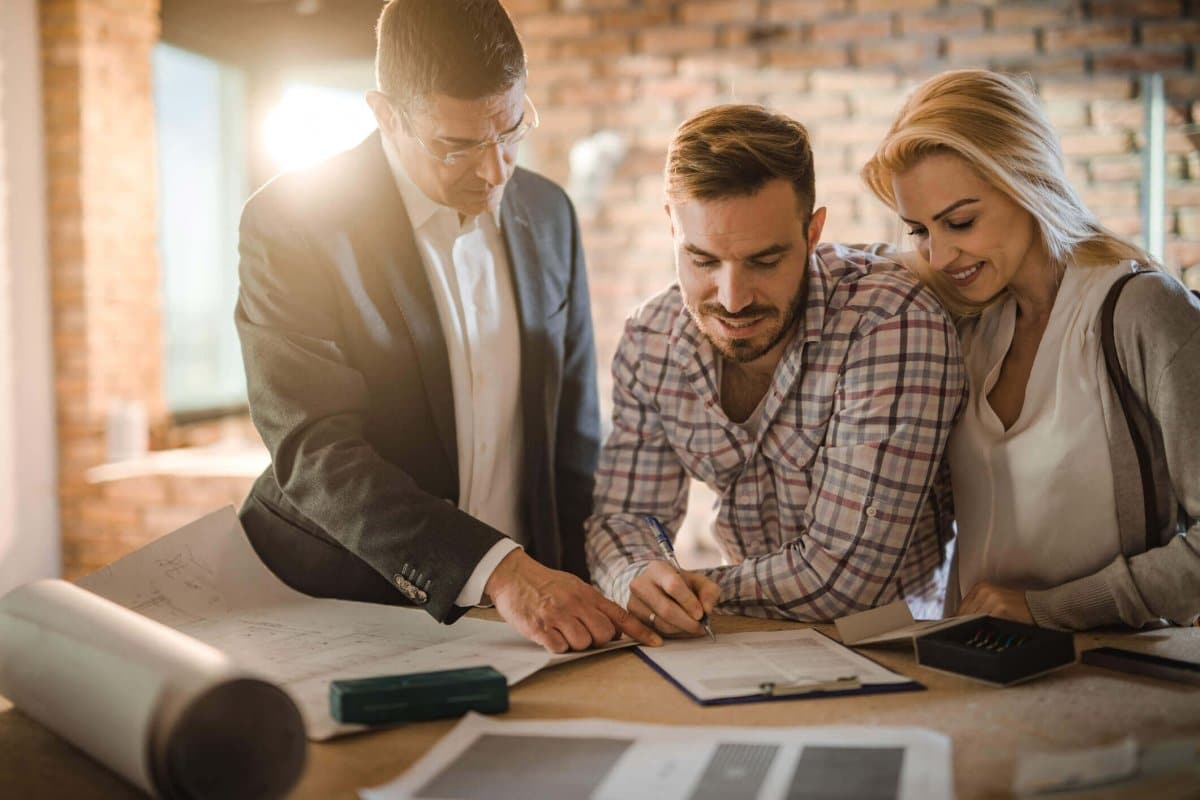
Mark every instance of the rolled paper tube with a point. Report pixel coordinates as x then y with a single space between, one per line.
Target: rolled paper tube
172 715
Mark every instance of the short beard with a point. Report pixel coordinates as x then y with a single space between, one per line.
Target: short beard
743 352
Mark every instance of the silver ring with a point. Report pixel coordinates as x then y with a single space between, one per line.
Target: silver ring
651 618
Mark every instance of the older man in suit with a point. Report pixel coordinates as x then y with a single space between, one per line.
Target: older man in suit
418 346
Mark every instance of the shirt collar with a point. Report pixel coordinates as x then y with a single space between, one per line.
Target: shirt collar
816 298
420 207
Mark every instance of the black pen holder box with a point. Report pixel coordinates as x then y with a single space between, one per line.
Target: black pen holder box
995 650
418 696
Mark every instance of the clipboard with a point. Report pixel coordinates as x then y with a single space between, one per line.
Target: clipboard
787 690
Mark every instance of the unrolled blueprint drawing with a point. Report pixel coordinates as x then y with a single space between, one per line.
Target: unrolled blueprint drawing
206 581
604 760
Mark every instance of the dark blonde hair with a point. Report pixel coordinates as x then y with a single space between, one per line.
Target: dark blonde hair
998 128
466 49
734 150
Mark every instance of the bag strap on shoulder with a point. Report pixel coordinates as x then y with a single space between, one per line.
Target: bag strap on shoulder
1129 404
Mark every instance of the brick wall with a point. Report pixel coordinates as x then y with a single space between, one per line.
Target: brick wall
842 67
123 514
99 135
634 67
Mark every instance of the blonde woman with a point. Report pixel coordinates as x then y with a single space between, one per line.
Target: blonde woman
1047 490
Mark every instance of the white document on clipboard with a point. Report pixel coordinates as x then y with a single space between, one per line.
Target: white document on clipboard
764 665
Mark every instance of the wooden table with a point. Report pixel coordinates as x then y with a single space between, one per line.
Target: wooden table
1075 707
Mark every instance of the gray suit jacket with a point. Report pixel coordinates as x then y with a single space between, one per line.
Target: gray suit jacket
349 385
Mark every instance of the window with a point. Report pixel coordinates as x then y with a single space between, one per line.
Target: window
312 122
203 149
200 115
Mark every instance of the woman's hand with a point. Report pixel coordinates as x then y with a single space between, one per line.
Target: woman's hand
996 601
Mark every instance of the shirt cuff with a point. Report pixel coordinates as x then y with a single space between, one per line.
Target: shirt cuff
472 590
618 590
1077 605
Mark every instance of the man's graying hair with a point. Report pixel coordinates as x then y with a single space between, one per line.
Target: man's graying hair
735 150
467 49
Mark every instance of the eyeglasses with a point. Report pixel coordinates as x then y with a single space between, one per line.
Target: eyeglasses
443 153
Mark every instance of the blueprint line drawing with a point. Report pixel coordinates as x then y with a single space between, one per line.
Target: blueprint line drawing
206 581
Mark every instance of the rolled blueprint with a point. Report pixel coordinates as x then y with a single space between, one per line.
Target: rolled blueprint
171 714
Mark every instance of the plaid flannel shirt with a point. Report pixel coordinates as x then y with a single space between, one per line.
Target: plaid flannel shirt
829 510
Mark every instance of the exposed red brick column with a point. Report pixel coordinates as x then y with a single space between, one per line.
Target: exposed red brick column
102 216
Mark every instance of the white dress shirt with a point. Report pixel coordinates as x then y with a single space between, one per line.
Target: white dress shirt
467 266
1036 503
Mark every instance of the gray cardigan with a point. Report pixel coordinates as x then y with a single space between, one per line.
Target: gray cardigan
1157 331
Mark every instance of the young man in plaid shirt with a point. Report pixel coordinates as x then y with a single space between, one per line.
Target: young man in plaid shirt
811 386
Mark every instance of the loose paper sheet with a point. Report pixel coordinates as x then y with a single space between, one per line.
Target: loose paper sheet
606 760
206 581
1075 769
738 663
890 623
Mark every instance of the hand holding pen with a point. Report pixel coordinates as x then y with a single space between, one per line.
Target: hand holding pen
668 598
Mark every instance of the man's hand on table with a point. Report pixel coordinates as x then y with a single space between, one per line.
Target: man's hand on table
558 610
672 602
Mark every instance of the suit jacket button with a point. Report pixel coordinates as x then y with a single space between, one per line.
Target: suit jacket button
410 590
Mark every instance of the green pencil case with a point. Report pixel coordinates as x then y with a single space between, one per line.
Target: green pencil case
418 696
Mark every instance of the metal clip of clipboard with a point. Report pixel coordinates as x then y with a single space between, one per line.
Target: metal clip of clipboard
772 689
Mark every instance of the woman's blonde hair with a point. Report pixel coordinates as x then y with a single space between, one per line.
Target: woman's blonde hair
998 128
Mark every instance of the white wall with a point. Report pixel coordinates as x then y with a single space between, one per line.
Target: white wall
29 535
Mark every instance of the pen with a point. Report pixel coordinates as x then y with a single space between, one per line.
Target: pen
664 544
772 689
